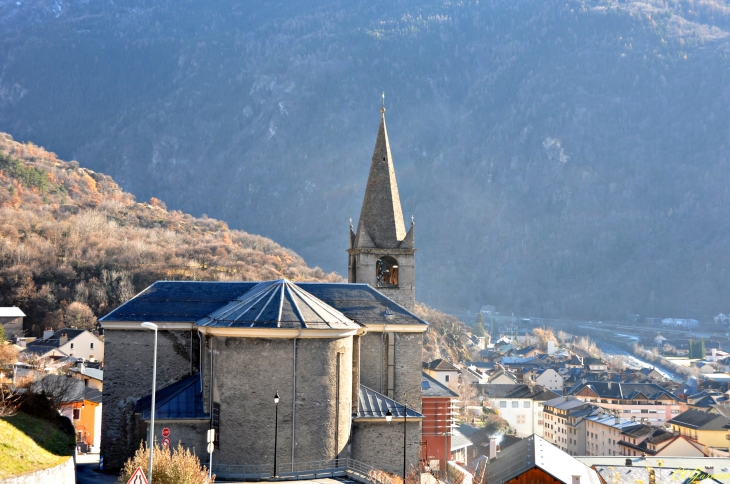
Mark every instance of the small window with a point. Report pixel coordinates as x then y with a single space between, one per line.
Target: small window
502 404
515 404
72 346
526 404
92 345
446 378
77 413
386 272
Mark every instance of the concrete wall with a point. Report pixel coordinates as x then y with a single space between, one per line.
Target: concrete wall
128 377
380 444
247 374
61 474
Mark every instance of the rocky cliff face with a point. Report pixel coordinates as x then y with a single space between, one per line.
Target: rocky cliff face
559 157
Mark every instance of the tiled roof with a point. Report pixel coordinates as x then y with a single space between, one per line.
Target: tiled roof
459 440
190 301
535 452
698 420
92 395
372 404
181 400
536 393
94 373
623 391
440 364
54 340
430 387
277 304
11 312
41 349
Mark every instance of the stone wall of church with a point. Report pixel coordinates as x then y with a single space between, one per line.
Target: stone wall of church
408 357
407 366
372 361
247 374
380 444
128 377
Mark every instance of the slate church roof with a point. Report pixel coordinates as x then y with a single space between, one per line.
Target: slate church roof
192 301
278 304
372 404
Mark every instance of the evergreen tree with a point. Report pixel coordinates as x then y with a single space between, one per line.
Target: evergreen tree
479 326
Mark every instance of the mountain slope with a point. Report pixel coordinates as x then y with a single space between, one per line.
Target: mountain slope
71 236
561 158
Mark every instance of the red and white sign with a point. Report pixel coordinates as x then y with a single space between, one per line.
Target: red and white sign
165 432
138 477
166 442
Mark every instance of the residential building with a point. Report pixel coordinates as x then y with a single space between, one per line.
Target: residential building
520 405
603 433
92 377
438 420
564 424
660 442
551 380
77 343
533 459
710 429
443 371
459 447
11 319
648 402
660 470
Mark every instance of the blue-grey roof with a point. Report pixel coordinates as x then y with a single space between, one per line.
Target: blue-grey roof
278 304
181 400
372 404
459 440
430 387
190 301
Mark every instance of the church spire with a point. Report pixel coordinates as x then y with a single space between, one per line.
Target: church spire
381 219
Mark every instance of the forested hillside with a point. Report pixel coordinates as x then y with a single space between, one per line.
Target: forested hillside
73 245
560 157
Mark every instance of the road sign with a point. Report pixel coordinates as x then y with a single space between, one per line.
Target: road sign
211 435
165 432
166 442
211 446
138 477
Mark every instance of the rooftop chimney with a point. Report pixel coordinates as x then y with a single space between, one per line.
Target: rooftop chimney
629 462
63 339
47 333
576 479
492 448
617 421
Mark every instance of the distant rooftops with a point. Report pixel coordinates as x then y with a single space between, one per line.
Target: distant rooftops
699 420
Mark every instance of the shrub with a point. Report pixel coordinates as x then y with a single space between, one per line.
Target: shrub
170 466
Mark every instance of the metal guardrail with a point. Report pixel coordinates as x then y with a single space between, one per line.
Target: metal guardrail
344 467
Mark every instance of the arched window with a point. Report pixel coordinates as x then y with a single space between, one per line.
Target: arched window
386 272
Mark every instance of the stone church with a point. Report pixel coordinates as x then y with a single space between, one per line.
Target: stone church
340 356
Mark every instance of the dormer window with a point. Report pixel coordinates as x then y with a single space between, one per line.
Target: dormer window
386 272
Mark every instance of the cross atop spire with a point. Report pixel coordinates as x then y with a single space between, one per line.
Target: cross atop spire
382 109
381 219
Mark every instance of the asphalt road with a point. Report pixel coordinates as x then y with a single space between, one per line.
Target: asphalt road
87 471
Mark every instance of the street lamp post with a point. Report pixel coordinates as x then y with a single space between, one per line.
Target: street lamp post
151 437
276 428
405 421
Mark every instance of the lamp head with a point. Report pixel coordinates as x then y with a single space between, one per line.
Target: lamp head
388 416
276 398
150 326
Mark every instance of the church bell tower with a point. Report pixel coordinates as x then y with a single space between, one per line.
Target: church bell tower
381 253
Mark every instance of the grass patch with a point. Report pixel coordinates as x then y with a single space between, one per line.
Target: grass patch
29 444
